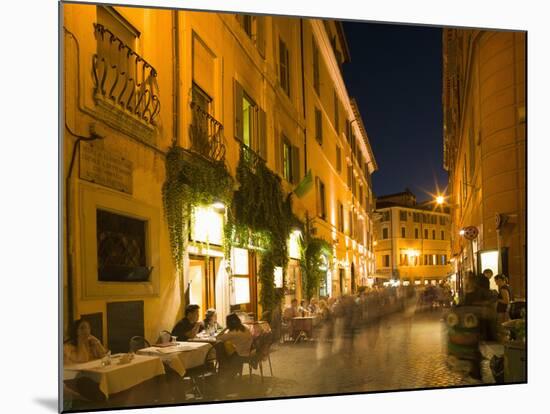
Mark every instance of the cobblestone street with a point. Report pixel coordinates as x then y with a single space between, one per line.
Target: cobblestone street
395 354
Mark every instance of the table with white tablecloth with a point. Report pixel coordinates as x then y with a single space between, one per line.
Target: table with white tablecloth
180 357
116 377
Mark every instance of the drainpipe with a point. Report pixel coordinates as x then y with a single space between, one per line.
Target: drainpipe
303 91
175 76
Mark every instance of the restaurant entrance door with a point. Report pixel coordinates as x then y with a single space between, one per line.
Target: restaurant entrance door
202 282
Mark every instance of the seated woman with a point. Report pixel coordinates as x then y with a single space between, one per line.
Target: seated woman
210 322
82 346
237 340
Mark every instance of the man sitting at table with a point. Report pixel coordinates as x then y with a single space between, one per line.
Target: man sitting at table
291 311
189 326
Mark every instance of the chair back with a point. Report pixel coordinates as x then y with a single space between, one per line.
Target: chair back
263 344
137 343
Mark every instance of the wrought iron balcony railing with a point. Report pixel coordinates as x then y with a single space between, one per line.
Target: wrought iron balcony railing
206 134
124 78
251 158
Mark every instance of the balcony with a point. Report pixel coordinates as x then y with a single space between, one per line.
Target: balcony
125 86
206 134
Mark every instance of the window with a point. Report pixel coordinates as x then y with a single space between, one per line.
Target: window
402 215
443 259
287 160
318 126
338 159
336 116
433 234
385 233
316 70
284 67
250 122
426 233
416 233
121 248
417 217
321 199
442 220
385 216
253 26
403 232
350 223
433 220
350 176
442 235
386 260
340 217
403 259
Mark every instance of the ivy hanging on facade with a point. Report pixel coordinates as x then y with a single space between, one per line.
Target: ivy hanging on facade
315 260
191 180
261 207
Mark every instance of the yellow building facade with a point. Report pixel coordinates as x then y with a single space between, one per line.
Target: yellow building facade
484 149
412 242
137 80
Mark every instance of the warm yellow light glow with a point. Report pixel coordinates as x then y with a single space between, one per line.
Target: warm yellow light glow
218 205
240 261
375 243
278 276
294 244
242 290
412 253
207 225
461 232
440 199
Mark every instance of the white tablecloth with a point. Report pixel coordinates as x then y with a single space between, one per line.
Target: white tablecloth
116 378
184 356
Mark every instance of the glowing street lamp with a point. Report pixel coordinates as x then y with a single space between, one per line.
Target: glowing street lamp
461 232
440 200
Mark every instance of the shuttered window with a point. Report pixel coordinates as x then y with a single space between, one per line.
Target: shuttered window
338 159
318 126
284 67
316 70
250 122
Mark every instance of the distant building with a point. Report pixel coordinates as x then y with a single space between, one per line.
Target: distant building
484 149
412 241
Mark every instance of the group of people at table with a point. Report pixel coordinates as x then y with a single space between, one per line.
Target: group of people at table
233 343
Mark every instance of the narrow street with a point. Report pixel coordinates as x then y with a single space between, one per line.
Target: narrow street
394 354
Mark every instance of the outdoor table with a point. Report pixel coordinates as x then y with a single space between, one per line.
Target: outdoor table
303 325
258 327
180 357
116 377
204 339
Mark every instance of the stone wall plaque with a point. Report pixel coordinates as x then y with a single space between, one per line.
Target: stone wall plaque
105 168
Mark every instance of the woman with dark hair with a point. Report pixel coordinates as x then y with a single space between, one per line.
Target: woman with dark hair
82 346
235 343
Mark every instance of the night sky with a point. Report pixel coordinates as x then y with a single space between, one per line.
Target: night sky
395 76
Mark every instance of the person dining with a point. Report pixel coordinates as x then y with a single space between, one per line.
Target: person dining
234 345
291 311
189 326
210 322
82 346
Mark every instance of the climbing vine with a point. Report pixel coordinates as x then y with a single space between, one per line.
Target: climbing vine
263 215
191 180
315 258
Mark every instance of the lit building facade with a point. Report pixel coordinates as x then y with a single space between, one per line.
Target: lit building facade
137 80
484 149
412 241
